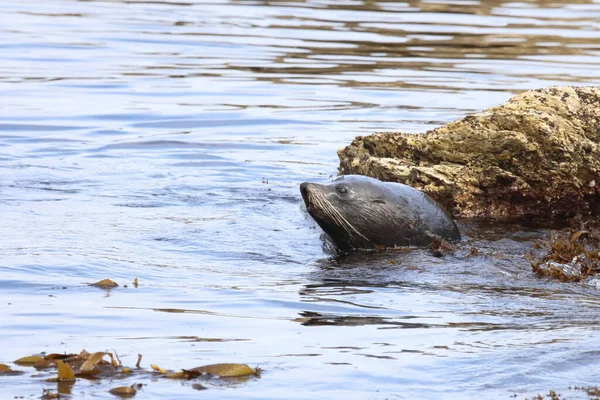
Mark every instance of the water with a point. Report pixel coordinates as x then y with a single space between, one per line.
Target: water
165 141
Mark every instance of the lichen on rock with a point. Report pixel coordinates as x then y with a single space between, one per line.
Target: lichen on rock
537 155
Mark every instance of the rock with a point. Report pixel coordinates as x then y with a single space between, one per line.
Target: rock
537 155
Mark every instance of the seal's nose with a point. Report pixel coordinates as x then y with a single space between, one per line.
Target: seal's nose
303 188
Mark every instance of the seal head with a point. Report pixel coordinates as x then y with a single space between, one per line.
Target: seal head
359 212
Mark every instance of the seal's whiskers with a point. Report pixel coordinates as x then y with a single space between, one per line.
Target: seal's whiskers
319 200
327 208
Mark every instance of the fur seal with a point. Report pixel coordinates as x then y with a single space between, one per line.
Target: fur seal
358 212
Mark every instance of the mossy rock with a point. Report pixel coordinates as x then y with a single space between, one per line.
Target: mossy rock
536 155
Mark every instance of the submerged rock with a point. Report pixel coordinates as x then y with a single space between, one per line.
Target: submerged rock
536 155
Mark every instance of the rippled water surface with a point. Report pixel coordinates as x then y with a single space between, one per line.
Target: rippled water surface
165 141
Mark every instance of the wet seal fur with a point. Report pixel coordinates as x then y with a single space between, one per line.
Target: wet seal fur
358 212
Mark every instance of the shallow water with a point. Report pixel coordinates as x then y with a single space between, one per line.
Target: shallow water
166 141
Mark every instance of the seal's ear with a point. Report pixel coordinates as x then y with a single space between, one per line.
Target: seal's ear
382 201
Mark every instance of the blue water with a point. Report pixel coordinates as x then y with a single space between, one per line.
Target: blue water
166 141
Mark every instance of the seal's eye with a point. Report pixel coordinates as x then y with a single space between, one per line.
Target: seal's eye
341 190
